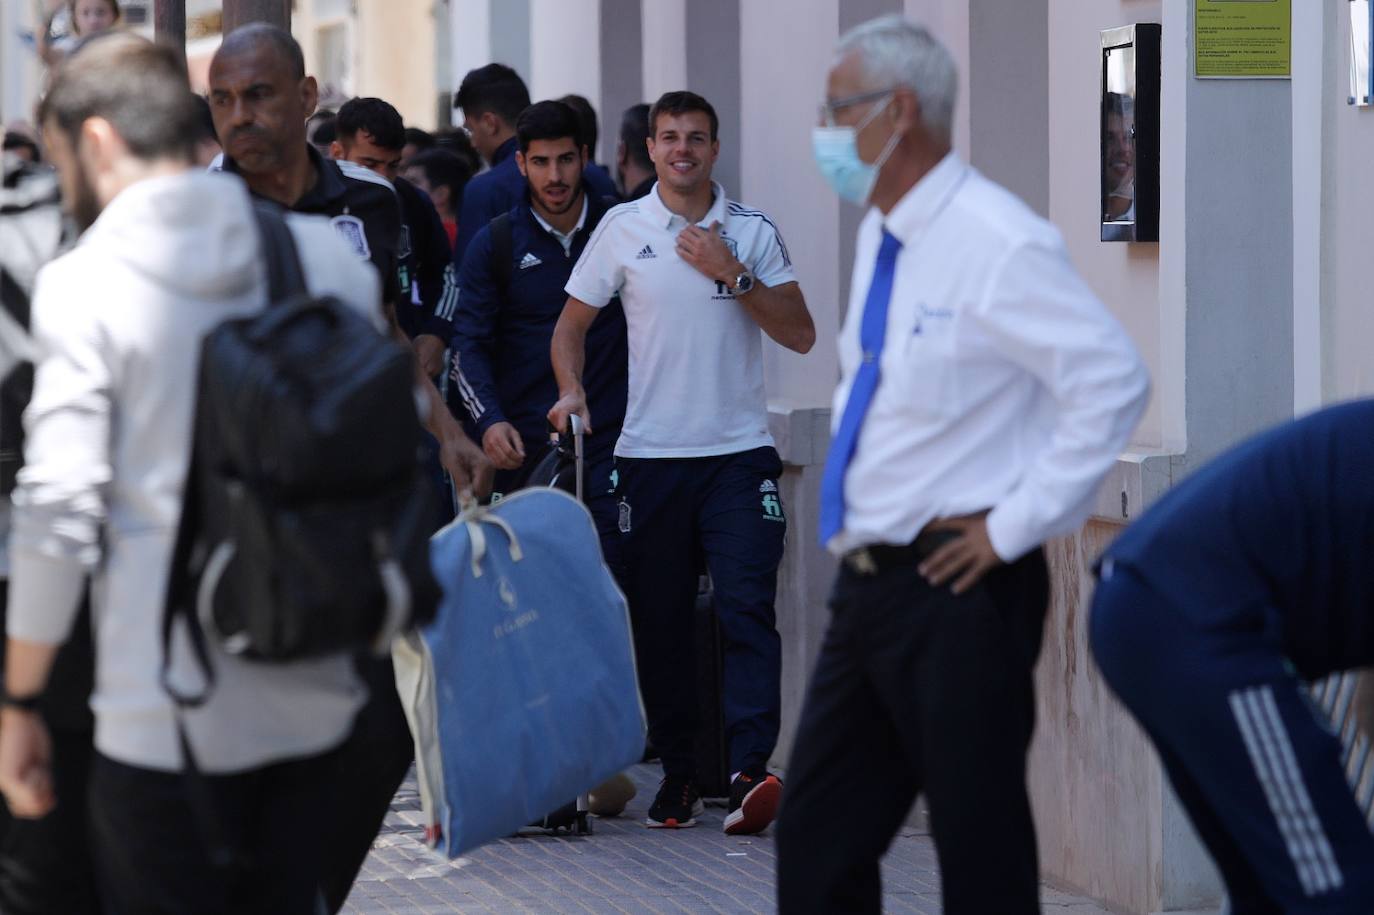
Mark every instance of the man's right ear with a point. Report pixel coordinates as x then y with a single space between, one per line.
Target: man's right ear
310 95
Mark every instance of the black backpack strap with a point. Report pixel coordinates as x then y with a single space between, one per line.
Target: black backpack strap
502 250
285 279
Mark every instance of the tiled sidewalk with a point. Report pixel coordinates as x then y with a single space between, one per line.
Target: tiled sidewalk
622 868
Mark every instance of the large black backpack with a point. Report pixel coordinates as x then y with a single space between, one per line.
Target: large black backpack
307 516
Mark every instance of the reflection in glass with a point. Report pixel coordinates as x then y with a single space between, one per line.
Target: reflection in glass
1128 135
1361 27
1118 137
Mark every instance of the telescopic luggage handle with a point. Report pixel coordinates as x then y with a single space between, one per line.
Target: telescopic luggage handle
571 439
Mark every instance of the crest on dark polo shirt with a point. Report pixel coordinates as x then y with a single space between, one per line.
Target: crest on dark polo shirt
350 228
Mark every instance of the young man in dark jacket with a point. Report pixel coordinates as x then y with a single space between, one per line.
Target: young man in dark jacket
492 98
511 295
369 132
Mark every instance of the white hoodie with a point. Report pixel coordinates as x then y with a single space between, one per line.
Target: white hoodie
120 320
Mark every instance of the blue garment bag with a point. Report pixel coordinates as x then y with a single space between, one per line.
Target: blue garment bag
523 692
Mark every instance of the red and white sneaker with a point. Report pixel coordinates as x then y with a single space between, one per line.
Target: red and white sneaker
754 799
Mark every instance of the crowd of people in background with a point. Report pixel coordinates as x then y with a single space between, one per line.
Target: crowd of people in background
984 393
468 237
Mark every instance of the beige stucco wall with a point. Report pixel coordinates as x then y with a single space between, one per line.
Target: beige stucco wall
393 52
395 56
1125 276
779 177
1094 782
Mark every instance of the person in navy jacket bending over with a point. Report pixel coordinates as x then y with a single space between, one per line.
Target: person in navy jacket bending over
1249 578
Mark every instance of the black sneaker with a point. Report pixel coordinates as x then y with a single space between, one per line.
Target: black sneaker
754 797
677 805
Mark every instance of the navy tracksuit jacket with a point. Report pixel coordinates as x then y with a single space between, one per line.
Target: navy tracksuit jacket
502 337
429 291
1254 574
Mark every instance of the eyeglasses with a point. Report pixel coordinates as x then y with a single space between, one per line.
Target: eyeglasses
829 109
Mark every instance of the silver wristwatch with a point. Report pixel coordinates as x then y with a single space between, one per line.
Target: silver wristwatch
743 283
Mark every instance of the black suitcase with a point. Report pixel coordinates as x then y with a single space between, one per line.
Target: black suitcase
712 747
562 468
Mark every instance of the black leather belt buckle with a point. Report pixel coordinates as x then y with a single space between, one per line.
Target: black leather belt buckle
881 557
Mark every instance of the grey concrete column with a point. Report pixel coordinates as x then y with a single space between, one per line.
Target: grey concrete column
622 69
510 35
713 71
1239 260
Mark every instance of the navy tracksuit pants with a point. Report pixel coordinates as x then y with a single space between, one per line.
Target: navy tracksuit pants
673 513
1258 773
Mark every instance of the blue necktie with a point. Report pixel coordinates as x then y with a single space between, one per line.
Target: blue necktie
872 331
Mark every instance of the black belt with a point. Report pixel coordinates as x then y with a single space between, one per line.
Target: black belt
884 557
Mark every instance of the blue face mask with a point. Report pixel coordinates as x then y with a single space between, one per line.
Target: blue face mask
836 150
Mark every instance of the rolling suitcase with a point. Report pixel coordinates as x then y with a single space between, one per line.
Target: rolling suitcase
563 467
711 745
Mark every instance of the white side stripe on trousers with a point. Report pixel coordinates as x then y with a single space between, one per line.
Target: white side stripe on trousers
1271 753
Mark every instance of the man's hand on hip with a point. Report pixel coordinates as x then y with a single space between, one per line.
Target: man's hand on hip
503 446
966 558
26 764
709 254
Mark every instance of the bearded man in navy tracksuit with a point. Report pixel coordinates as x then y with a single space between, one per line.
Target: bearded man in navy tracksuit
510 298
1253 575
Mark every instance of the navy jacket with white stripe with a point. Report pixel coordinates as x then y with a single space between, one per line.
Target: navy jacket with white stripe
1276 534
502 336
428 287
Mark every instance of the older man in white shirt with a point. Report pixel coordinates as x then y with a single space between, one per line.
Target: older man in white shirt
985 393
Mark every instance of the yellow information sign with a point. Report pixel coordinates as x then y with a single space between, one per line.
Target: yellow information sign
1245 39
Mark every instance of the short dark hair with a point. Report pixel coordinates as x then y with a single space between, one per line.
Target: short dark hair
586 117
456 141
420 139
249 37
634 133
139 87
374 117
443 169
547 121
682 102
495 88
16 140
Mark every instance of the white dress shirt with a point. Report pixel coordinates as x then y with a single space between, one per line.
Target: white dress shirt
1005 383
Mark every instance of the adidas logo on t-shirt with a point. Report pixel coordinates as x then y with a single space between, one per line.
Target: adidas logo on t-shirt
528 261
645 253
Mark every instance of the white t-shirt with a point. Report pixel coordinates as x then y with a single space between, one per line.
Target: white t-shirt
696 357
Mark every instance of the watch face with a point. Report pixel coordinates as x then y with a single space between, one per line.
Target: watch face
744 283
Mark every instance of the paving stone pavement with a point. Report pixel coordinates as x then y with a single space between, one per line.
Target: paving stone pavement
621 868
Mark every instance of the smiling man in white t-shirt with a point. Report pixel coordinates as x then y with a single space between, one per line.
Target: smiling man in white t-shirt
697 474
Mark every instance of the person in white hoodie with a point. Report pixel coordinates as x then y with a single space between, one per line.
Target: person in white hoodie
167 253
